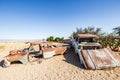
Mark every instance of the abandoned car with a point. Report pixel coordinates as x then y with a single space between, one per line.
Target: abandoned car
15 55
91 53
46 49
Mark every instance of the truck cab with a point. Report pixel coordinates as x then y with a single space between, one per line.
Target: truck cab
84 42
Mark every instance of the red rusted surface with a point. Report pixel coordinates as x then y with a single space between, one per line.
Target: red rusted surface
100 59
87 61
15 55
87 36
48 48
13 52
57 50
41 42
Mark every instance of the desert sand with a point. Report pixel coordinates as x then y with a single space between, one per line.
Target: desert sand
60 67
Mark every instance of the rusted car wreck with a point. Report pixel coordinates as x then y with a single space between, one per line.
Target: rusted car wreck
46 49
15 55
91 53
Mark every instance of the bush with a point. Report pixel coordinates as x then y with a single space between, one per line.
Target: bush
57 39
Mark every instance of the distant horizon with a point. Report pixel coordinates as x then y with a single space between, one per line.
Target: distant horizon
39 19
4 40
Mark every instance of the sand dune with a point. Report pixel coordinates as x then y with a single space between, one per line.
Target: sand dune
61 67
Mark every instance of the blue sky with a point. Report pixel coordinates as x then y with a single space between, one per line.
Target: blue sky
38 19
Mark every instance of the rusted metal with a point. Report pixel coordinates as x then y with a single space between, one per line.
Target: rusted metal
91 44
87 35
48 49
49 52
99 59
14 56
41 43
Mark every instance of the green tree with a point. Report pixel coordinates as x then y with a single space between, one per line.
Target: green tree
117 30
90 29
56 39
51 38
103 41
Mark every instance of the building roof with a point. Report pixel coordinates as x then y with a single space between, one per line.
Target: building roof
87 35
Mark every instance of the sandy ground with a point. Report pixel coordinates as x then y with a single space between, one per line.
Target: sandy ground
60 67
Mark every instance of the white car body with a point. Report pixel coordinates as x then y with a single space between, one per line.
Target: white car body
77 49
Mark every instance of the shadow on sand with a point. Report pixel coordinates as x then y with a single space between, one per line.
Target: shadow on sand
73 58
1 63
